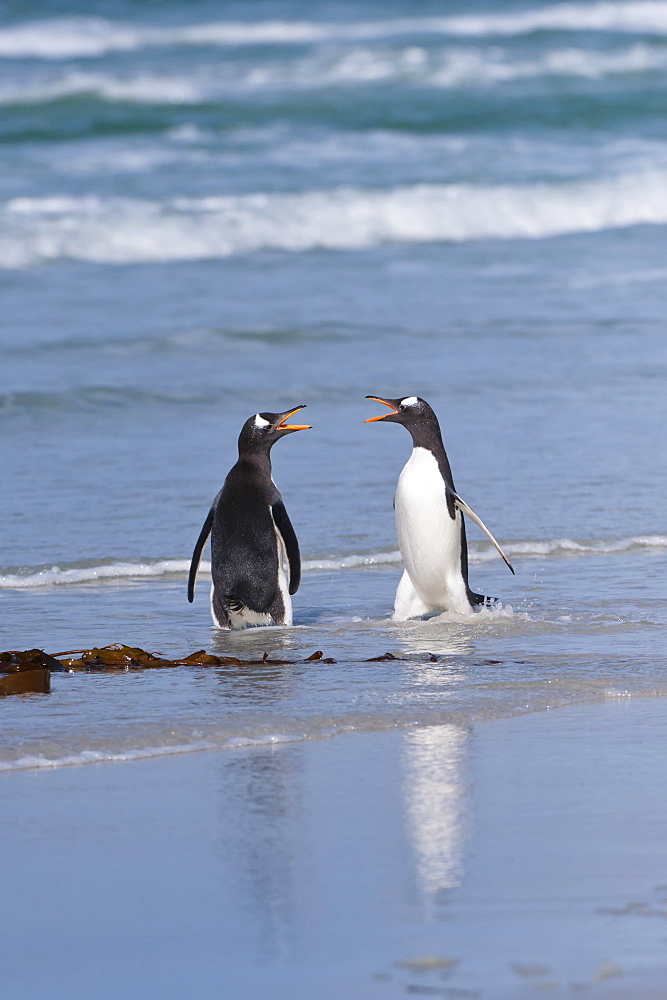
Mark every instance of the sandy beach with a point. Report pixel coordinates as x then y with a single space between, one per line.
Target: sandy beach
513 858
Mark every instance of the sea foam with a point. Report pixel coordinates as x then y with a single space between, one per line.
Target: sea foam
479 552
125 231
450 67
57 576
39 761
86 37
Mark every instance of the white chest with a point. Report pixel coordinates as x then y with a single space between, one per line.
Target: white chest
420 500
428 537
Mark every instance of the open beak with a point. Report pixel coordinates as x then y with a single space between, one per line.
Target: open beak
282 426
382 416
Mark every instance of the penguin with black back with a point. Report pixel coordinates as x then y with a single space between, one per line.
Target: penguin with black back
429 520
251 534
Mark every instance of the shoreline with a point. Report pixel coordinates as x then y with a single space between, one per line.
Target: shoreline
503 859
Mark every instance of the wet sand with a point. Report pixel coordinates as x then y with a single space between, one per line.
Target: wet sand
521 857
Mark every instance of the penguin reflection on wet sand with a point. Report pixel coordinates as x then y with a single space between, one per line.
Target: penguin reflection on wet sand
251 535
429 520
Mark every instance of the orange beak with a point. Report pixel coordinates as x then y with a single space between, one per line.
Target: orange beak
282 426
377 399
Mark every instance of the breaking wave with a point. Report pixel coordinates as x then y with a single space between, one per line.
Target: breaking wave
49 576
68 37
560 548
37 761
479 552
447 68
124 231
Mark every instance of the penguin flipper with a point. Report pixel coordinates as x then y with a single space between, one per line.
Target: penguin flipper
196 555
288 535
469 512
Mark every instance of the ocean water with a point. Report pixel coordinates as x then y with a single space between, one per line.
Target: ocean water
212 209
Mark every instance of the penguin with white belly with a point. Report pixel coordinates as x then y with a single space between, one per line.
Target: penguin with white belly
429 520
251 535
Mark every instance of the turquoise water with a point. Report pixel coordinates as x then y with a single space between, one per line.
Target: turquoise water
208 210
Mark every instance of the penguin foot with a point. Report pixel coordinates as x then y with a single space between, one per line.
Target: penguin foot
481 599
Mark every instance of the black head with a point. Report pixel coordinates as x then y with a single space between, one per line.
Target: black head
261 431
407 410
416 416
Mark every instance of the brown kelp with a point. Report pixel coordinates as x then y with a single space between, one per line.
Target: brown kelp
29 671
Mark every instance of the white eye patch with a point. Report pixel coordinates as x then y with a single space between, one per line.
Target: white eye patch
409 401
260 421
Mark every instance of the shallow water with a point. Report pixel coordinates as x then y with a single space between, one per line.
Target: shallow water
206 214
499 861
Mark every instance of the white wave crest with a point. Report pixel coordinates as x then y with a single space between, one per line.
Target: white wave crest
639 58
63 38
564 547
55 576
479 552
32 762
353 561
631 16
137 88
316 730
484 67
124 231
68 37
447 68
